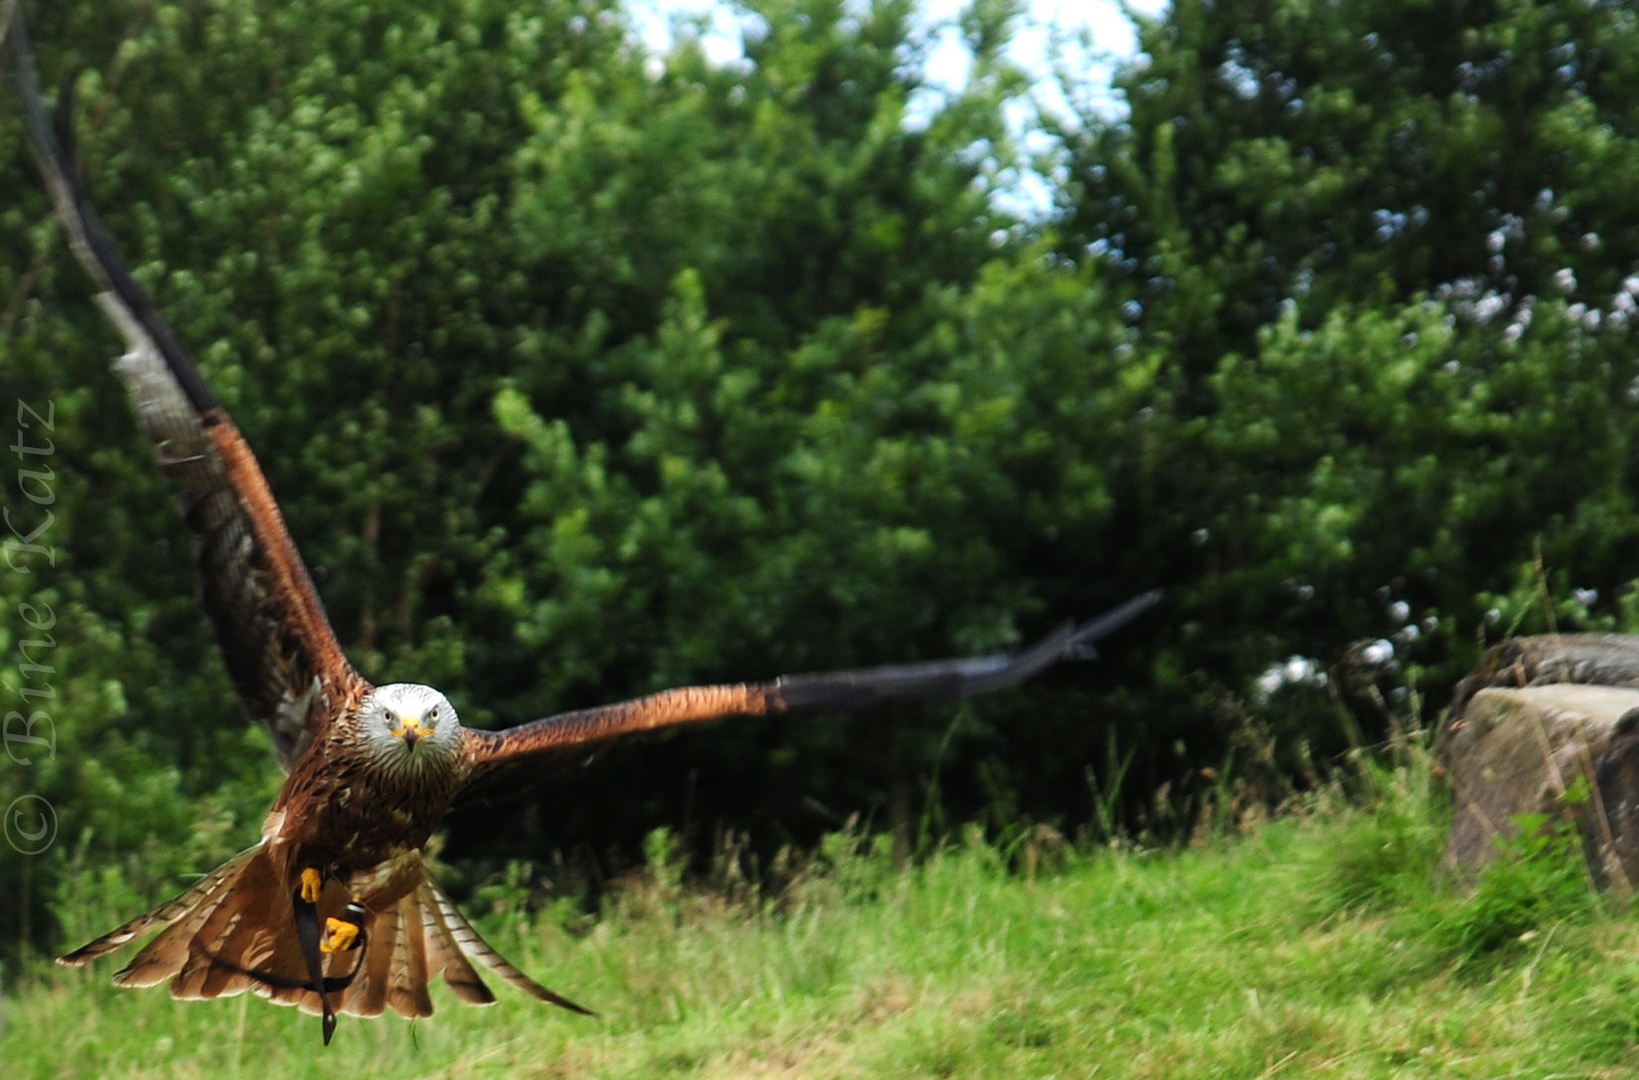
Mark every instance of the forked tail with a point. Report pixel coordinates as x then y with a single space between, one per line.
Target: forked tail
235 931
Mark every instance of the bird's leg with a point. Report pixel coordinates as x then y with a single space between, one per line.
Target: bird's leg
341 935
312 885
306 912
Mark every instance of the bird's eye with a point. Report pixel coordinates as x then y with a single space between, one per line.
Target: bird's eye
432 715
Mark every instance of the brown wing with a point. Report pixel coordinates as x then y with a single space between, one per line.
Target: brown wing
933 680
279 648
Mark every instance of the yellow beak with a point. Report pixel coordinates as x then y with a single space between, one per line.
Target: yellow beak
412 731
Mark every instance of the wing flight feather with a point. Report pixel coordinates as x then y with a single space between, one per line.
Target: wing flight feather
280 650
932 680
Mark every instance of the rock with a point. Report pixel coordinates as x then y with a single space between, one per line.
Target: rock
1512 751
1615 847
1593 659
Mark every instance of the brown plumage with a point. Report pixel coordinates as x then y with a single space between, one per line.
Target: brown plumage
371 770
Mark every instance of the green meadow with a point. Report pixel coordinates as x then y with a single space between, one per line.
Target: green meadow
1323 942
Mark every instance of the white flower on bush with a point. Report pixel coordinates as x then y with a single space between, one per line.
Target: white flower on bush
1378 653
1293 671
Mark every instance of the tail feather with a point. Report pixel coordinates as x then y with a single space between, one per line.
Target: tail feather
234 932
369 997
444 951
235 919
476 947
415 932
407 985
237 938
210 889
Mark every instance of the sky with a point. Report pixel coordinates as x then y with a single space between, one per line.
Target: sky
1110 39
1110 29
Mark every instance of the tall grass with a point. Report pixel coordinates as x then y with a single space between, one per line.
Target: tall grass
1324 942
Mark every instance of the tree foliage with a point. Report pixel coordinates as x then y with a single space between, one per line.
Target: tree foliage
578 375
581 372
1380 258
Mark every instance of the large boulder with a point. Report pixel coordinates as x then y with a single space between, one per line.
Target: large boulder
1537 715
1519 751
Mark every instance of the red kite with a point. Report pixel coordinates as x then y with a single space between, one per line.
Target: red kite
332 909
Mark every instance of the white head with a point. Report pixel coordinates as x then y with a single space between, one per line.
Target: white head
409 726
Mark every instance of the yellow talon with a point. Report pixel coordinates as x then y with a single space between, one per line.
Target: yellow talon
338 936
312 885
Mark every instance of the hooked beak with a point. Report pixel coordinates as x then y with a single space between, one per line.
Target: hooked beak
412 731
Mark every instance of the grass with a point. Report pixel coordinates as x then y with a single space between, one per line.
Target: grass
1318 945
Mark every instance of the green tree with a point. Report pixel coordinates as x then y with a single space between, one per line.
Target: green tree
576 377
1382 259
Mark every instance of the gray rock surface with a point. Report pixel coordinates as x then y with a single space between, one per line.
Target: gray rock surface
1517 750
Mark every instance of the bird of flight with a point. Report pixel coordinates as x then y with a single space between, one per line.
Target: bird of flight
332 909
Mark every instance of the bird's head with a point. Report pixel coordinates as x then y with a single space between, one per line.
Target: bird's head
410 725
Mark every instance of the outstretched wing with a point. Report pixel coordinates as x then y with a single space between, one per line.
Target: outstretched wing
279 648
933 680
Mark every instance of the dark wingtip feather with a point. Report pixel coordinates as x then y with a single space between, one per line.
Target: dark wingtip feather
53 151
1080 645
8 16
